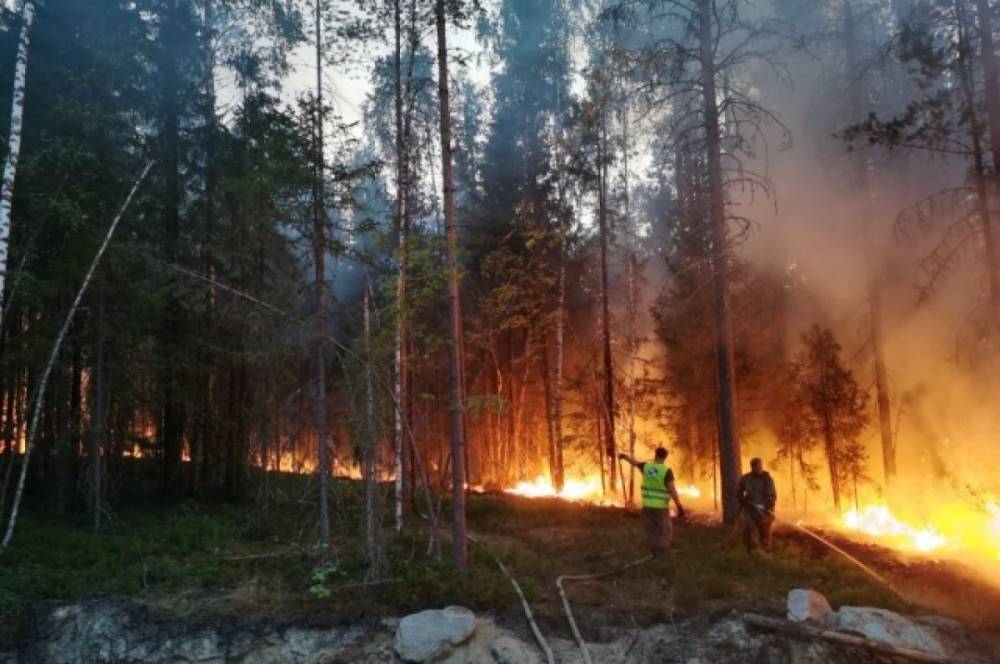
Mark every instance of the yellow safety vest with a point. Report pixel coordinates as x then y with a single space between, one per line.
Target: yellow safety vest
654 486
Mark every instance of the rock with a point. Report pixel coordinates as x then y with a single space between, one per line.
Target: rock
808 605
956 639
125 630
430 635
508 649
887 627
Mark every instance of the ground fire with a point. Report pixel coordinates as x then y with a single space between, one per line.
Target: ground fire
958 530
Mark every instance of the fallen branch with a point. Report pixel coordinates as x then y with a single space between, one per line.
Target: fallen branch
535 629
809 632
588 577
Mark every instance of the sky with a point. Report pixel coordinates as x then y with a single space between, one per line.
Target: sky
348 87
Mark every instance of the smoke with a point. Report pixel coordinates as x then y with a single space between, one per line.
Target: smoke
812 233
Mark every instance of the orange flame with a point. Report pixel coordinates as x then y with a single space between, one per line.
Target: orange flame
878 521
955 529
579 490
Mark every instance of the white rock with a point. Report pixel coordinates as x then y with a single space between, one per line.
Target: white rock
807 605
429 635
887 627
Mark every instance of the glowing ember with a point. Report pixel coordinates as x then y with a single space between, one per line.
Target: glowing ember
879 522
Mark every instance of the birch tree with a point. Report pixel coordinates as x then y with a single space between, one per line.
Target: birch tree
14 141
39 397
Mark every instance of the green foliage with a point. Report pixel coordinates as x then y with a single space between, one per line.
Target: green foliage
835 408
161 554
321 576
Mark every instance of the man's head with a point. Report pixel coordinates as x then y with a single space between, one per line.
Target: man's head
756 466
661 454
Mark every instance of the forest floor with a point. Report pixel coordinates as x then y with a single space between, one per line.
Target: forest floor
224 560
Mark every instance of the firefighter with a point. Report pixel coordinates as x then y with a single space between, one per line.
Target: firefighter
657 490
757 497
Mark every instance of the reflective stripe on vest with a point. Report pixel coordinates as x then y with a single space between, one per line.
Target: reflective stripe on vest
654 486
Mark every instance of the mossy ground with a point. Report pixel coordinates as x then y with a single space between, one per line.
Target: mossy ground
194 554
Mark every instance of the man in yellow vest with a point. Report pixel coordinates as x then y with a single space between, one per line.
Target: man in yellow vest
657 490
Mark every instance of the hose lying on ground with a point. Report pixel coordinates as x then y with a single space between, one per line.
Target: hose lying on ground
535 630
830 545
588 577
860 565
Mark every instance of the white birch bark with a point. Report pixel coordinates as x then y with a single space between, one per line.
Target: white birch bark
43 383
14 138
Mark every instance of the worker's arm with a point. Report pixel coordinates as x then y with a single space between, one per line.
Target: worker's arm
772 495
630 459
672 490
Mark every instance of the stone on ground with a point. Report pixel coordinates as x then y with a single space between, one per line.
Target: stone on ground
430 635
807 605
887 627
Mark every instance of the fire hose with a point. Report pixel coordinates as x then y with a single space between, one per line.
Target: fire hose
588 577
819 538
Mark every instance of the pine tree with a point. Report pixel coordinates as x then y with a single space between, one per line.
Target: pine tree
836 407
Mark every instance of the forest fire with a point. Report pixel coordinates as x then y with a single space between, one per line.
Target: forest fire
956 529
583 490
576 490
878 521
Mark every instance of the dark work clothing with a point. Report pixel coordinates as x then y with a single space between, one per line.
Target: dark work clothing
757 490
667 480
756 529
758 496
658 529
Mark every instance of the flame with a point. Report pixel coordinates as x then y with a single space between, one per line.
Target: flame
577 490
957 528
879 522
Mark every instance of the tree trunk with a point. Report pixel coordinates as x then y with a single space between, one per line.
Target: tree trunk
455 381
549 423
558 472
979 172
729 443
373 521
14 138
71 448
404 481
172 422
857 82
53 356
991 71
98 422
633 304
832 460
203 434
610 447
400 356
319 265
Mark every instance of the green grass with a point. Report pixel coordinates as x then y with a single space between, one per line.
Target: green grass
164 553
